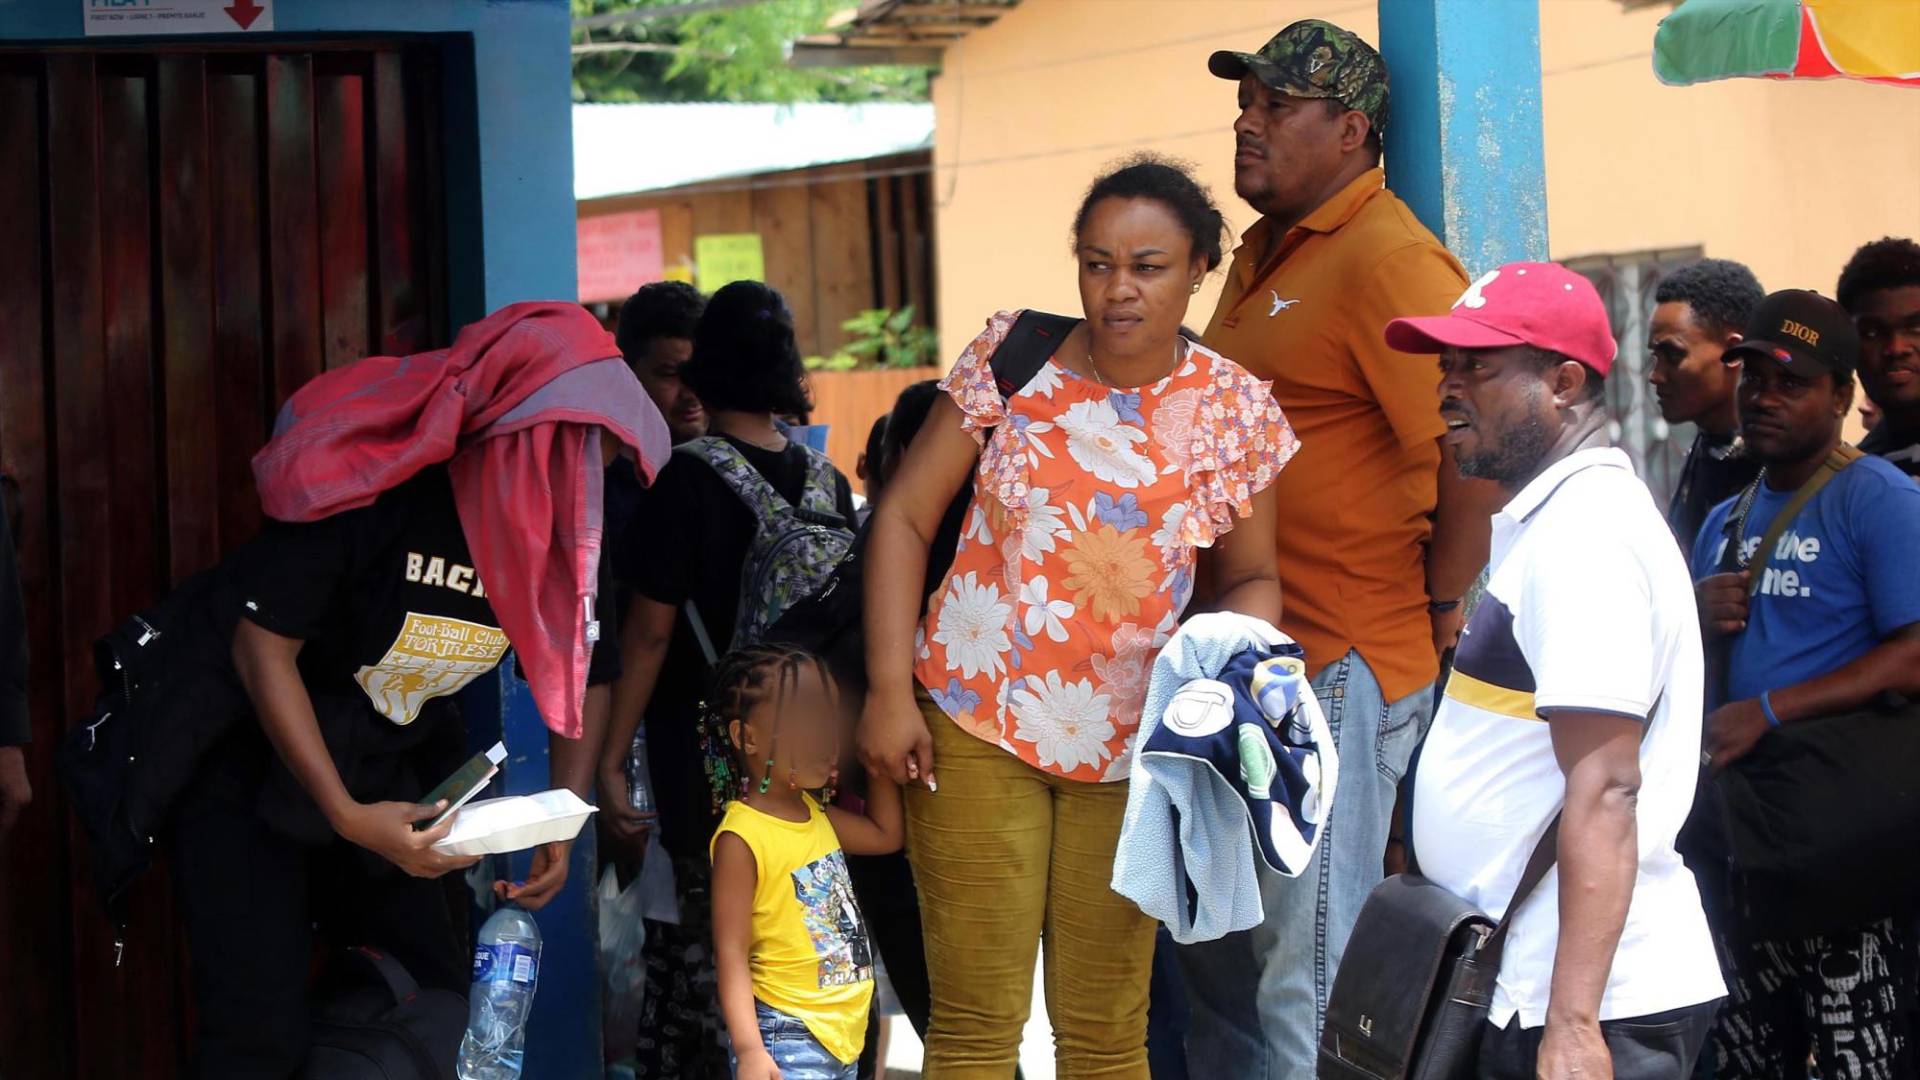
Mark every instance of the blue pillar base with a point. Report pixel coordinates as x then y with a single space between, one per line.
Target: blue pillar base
563 1034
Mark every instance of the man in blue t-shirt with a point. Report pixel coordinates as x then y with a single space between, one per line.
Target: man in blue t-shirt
1833 624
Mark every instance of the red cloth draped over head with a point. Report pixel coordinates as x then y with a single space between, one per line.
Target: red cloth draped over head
516 408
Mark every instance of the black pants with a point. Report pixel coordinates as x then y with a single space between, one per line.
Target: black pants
682 1034
1848 999
1658 1047
251 898
891 907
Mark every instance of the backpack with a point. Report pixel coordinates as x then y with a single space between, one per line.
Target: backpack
385 1028
794 549
122 778
828 622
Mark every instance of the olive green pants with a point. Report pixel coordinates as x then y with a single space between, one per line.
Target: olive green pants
1008 857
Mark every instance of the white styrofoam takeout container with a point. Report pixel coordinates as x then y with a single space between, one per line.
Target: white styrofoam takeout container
515 823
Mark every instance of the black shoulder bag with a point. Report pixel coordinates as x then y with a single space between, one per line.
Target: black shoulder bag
1411 999
1416 984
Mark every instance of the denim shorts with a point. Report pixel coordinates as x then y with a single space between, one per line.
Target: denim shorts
799 1055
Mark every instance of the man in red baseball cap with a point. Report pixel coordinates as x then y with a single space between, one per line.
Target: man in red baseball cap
1587 624
1518 336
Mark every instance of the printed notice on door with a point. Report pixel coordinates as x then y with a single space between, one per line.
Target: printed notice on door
431 658
108 18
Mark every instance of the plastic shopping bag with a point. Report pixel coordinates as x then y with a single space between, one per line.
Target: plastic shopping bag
660 900
623 969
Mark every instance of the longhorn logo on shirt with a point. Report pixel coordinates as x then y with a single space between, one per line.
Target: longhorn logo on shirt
1279 305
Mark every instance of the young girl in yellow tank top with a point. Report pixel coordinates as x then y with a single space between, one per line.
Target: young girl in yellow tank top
789 944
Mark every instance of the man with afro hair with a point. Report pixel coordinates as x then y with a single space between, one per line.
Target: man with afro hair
1880 288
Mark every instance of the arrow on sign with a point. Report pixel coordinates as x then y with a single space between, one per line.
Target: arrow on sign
244 12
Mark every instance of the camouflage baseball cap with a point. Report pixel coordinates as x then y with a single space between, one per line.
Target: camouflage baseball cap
1315 59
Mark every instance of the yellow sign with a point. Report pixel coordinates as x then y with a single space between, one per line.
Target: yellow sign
727 257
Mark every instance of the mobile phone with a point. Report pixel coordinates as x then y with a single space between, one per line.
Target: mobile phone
466 782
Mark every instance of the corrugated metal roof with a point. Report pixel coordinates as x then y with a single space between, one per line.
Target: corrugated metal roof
896 32
624 149
893 22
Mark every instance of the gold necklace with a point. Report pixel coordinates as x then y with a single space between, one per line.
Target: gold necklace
1104 381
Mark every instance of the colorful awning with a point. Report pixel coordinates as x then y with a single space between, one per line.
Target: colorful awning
1874 40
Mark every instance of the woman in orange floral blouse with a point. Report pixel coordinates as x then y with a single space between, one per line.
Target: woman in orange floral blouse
1096 488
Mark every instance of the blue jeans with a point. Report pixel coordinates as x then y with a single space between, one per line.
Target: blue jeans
799 1055
1167 1012
1259 996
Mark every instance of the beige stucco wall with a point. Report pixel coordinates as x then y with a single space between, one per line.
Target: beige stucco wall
1787 177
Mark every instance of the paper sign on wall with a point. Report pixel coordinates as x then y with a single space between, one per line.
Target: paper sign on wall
108 18
618 254
727 257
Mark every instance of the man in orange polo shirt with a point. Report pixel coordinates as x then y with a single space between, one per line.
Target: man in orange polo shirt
1380 537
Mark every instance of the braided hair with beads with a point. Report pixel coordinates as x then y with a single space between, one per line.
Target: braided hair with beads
744 679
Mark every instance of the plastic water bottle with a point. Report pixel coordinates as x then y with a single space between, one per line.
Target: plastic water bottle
640 774
506 968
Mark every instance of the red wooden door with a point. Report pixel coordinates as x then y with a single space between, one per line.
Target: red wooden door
185 237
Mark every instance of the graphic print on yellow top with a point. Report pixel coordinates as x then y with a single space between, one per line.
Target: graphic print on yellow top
433 656
1090 505
810 958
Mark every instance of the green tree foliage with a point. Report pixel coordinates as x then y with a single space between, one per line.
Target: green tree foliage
732 54
878 338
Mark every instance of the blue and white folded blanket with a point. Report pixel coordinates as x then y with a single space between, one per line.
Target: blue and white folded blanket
1233 757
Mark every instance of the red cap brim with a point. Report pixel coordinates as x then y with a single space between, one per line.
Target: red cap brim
1432 333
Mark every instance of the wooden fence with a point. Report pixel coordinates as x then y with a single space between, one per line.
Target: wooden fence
848 402
837 239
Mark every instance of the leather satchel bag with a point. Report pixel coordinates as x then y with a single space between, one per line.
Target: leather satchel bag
1411 999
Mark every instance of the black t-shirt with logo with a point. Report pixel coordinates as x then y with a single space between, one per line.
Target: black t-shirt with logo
385 598
394 621
688 541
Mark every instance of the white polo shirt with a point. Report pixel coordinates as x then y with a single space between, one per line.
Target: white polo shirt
1589 606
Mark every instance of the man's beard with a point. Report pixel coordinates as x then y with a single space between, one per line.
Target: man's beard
1515 457
1257 194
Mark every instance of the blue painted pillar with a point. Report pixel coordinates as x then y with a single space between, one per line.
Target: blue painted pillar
1463 144
563 1034
511 230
